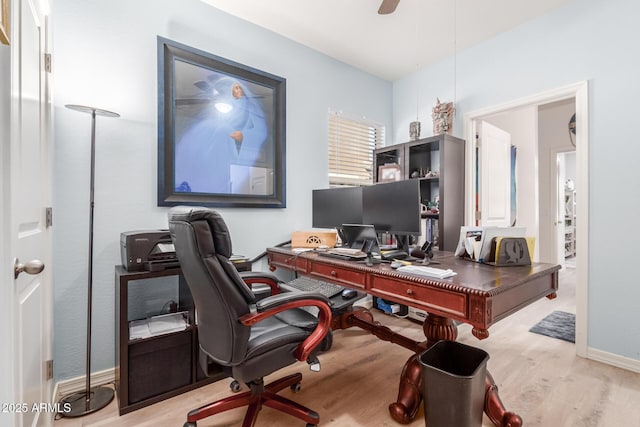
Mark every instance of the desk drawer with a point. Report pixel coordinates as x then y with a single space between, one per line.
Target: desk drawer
437 301
291 262
336 274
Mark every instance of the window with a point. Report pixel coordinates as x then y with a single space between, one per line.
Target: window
351 145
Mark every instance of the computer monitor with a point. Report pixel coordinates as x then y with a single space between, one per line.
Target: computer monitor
332 207
393 207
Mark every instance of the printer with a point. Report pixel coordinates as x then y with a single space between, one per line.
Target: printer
150 250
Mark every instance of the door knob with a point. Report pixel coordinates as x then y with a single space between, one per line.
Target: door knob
35 266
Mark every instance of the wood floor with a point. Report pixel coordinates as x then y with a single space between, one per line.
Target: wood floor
539 378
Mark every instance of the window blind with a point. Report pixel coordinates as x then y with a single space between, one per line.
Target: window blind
351 145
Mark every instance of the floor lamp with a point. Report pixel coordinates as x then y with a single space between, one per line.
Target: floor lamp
89 400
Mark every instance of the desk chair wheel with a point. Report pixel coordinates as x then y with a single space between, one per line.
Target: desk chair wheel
296 388
188 424
235 387
312 425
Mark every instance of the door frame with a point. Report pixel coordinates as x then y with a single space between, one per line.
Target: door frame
579 91
6 279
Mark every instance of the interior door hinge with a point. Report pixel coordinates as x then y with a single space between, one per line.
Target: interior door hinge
478 215
48 370
48 217
47 62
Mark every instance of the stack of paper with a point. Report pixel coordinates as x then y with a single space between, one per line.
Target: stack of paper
437 273
166 323
139 329
158 325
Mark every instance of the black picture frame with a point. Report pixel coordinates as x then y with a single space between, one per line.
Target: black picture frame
203 102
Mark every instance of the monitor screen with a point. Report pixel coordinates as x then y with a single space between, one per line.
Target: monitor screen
393 207
333 207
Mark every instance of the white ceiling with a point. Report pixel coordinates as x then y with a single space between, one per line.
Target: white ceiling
418 33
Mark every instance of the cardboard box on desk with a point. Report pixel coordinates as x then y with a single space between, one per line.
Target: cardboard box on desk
313 239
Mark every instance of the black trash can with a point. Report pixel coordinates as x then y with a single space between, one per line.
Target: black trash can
453 378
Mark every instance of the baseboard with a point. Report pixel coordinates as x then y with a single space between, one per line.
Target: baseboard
67 387
622 362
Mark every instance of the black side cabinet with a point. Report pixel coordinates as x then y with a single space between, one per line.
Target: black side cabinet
152 369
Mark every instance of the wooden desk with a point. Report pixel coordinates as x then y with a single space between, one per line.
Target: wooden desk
479 295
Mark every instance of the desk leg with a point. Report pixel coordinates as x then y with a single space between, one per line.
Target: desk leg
406 407
404 410
494 408
438 328
435 328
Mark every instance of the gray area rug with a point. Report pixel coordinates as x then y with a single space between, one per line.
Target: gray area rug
558 324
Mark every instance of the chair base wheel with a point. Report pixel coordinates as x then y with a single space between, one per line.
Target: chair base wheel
296 388
312 425
235 386
188 424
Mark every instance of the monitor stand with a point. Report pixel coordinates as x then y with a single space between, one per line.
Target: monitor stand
342 237
402 242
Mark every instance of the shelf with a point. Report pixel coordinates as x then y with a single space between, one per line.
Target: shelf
570 222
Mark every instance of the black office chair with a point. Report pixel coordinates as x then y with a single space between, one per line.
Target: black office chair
253 337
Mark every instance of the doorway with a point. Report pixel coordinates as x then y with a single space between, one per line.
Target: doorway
546 217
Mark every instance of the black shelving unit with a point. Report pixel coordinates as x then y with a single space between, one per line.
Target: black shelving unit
152 369
438 162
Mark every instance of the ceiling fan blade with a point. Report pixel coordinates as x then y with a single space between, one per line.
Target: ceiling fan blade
388 6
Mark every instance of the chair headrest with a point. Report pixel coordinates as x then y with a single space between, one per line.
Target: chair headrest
219 230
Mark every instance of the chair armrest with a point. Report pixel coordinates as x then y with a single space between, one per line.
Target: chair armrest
288 300
251 277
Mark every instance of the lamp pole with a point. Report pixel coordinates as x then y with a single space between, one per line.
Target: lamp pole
89 400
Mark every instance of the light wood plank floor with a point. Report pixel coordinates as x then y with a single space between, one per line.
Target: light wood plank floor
539 378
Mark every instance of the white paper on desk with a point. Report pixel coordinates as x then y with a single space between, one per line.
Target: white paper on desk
468 232
437 273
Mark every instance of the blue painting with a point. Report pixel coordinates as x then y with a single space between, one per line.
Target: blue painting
221 131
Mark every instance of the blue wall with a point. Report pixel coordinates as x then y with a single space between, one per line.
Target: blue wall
585 40
105 56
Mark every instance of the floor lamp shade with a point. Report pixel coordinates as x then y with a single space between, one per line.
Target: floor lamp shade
90 399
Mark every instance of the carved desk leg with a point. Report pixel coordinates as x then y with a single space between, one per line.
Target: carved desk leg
406 407
494 408
438 328
435 328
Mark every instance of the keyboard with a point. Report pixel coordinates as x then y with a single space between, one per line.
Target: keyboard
344 253
348 251
307 284
394 254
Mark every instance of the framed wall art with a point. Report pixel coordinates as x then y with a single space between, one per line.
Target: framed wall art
221 131
4 21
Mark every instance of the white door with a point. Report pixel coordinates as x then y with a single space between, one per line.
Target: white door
494 178
29 240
